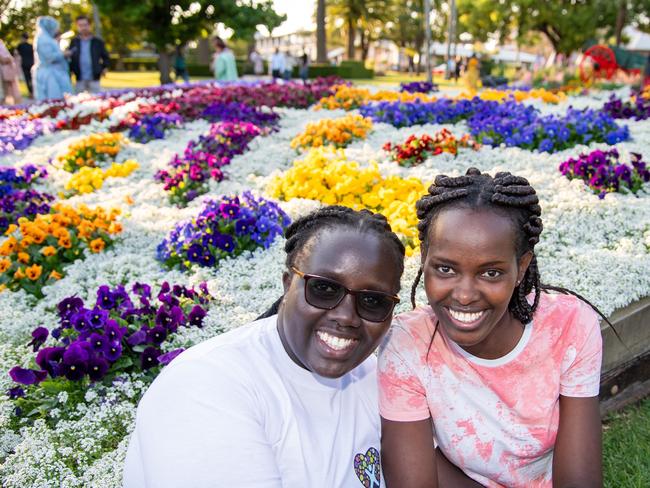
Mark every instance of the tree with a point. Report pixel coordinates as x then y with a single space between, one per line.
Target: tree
350 11
321 39
568 26
167 23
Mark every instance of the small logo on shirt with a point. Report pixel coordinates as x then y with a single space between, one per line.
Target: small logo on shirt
367 468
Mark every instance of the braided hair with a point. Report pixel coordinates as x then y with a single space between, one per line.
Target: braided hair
514 198
300 233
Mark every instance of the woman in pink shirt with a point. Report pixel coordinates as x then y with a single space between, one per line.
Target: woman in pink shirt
495 382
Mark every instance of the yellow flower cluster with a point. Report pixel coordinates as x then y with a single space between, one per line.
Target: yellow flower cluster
349 98
34 252
328 176
646 92
87 179
90 150
337 132
519 95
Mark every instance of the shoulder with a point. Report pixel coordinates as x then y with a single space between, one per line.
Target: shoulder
224 363
566 316
411 330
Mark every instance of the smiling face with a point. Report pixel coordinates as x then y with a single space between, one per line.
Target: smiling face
470 271
331 343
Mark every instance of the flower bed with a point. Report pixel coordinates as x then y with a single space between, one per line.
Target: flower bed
603 172
329 177
35 252
17 198
88 179
91 150
226 227
336 132
120 333
416 149
636 108
154 126
509 123
83 439
202 160
418 87
350 98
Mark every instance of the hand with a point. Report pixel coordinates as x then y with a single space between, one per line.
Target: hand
67 53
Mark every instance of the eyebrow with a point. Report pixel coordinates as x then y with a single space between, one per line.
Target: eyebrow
496 262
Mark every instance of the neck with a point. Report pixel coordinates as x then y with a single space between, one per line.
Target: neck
85 36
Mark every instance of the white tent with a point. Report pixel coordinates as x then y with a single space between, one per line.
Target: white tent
639 41
512 56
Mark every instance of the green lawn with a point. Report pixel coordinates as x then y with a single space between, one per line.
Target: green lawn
626 447
141 79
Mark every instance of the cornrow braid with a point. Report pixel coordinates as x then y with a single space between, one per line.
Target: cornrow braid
301 232
515 198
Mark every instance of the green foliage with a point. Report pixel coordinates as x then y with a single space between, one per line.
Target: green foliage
568 26
166 24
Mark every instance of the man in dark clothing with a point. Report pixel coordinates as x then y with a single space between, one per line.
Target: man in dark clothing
88 57
26 53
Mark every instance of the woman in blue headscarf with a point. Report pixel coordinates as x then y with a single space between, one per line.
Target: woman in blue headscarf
51 73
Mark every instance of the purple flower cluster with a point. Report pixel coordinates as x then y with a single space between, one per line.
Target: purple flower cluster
418 87
510 123
225 227
240 112
604 173
17 134
202 160
17 199
153 126
120 333
637 108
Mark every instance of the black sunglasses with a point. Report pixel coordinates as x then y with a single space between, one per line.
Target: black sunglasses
326 294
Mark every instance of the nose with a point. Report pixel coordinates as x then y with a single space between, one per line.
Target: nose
345 313
465 292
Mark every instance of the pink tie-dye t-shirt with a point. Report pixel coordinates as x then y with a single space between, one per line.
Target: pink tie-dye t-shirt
495 419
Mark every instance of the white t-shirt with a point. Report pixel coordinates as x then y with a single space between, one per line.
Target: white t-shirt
236 411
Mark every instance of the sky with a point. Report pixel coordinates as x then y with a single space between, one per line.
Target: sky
299 15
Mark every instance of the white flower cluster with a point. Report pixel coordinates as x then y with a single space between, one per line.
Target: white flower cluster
597 247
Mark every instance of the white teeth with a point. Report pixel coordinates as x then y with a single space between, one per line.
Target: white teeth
336 343
465 317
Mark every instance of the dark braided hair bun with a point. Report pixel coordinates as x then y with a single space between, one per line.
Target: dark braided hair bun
301 232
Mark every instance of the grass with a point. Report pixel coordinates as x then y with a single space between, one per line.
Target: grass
626 447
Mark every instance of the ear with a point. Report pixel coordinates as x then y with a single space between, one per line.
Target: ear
286 281
524 262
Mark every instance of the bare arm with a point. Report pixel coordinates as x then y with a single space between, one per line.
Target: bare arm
577 458
407 454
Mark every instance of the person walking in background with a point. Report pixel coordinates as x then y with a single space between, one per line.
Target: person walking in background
180 65
277 64
25 51
89 59
289 63
9 76
50 71
646 77
472 77
225 67
304 68
257 62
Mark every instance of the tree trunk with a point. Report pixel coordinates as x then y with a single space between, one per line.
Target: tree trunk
97 20
365 44
164 66
352 30
321 39
621 17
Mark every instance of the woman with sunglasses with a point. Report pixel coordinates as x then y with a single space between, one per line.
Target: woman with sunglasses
291 399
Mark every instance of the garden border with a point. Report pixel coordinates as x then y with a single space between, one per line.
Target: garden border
625 376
